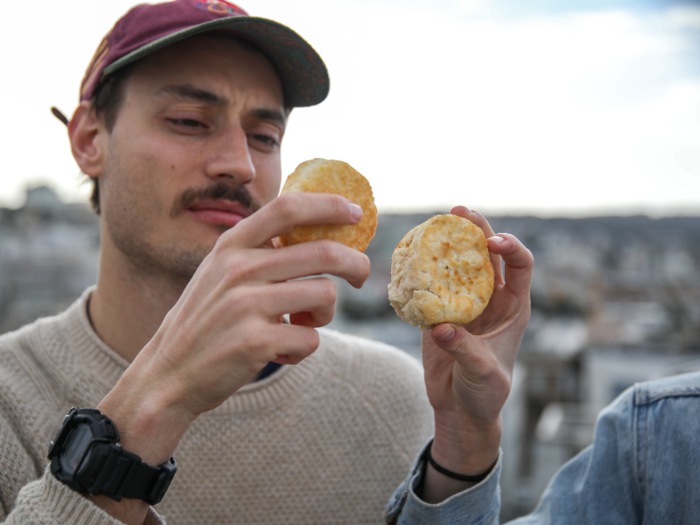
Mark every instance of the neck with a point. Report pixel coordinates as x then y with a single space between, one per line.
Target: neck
129 304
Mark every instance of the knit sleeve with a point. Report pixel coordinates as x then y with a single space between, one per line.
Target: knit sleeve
47 501
16 467
25 499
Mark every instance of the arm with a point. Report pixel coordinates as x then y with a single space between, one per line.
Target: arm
468 369
468 372
227 325
47 501
43 501
602 484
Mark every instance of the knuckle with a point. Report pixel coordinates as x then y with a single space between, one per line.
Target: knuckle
305 342
364 266
312 341
479 220
251 337
221 245
241 296
327 253
285 206
242 304
525 254
239 270
339 205
327 291
530 257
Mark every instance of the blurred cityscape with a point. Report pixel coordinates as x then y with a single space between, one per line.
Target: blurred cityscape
615 300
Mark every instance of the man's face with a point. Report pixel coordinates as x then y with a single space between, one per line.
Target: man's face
195 148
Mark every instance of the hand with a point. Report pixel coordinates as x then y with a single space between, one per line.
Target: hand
227 323
468 369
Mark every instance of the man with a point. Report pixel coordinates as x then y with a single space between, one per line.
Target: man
182 114
179 344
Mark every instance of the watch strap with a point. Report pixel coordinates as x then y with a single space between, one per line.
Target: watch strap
104 467
124 475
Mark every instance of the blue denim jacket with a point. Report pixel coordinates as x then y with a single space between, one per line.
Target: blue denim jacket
643 468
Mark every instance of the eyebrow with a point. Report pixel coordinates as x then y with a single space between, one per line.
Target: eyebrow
271 115
189 92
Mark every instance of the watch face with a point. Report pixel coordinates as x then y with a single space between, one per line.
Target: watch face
77 444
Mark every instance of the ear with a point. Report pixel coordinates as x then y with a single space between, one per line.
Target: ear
86 133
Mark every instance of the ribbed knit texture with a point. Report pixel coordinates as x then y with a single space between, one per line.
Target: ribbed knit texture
322 442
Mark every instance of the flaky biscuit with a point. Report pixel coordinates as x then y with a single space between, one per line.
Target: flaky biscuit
333 176
441 272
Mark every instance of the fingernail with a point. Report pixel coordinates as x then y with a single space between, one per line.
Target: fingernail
355 211
447 335
497 239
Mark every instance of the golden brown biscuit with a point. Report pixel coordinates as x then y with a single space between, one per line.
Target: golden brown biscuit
333 176
441 272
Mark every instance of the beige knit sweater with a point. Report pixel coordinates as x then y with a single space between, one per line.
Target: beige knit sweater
323 442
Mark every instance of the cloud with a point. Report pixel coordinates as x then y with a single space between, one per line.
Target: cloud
558 7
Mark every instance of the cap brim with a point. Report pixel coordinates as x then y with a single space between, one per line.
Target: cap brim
303 74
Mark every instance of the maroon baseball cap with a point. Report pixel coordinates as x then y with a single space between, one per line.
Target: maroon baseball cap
149 27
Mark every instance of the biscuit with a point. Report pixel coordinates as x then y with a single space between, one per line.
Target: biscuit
333 176
441 272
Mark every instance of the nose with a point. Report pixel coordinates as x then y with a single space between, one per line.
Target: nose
231 158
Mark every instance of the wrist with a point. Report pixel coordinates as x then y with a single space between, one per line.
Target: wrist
470 478
149 425
464 447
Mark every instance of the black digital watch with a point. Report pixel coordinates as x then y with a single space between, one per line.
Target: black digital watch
86 456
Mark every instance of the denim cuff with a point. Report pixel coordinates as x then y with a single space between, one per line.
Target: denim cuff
479 504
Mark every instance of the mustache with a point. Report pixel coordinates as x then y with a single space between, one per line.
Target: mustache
218 190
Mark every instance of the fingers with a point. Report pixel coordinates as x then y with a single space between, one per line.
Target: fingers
454 340
312 258
475 217
299 342
293 209
518 262
466 349
478 219
305 319
311 302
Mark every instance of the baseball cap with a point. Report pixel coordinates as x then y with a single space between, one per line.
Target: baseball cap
146 28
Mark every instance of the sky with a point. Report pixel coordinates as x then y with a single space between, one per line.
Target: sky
543 107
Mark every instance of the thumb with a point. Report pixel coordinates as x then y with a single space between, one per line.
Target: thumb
453 339
474 359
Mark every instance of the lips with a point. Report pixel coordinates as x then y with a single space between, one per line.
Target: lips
218 211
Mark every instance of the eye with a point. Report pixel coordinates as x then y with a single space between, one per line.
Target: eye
186 124
263 142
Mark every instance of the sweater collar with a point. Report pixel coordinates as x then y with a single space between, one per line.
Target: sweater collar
89 356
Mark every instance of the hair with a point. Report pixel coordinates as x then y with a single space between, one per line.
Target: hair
107 101
109 95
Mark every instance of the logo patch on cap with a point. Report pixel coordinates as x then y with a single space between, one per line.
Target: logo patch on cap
221 7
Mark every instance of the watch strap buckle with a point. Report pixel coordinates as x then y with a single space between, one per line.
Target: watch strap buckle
163 482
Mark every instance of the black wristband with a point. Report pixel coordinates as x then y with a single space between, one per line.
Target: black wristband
454 475
86 456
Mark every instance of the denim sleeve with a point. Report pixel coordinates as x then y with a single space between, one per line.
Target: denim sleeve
600 485
483 501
